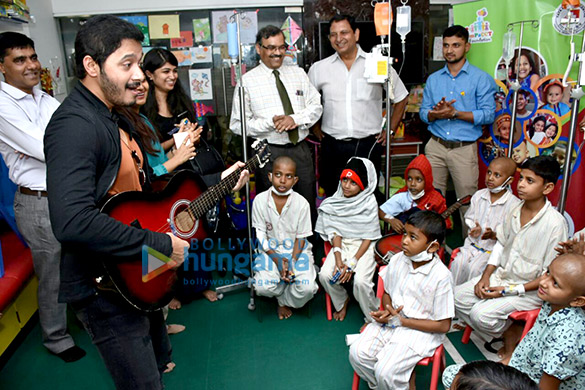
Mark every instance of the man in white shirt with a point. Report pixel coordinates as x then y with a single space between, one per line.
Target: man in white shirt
25 111
352 107
281 105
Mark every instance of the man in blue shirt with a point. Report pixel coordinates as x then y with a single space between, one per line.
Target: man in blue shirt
457 101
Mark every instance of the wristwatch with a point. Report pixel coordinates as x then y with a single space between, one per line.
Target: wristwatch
455 115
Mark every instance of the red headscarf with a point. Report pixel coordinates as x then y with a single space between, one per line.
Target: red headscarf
432 200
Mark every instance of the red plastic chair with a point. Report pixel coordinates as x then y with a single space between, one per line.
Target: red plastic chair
437 361
528 316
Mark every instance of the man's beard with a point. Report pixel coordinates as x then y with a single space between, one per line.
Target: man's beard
113 94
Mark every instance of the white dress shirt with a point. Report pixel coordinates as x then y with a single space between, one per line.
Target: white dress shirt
352 107
23 119
262 103
529 249
426 293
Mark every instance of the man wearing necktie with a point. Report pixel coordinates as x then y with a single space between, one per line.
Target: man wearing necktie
281 105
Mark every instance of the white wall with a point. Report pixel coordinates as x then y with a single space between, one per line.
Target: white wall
93 7
43 31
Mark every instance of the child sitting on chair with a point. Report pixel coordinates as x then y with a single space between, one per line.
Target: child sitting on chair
418 307
552 352
281 217
349 221
489 206
418 194
525 247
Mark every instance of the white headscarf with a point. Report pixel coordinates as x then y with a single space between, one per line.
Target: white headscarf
355 217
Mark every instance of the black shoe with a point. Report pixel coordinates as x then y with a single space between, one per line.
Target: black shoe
489 345
72 354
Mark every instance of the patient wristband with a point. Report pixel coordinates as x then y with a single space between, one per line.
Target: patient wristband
393 322
336 249
514 289
351 263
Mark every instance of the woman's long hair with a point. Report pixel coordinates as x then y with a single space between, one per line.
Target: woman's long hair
177 100
142 130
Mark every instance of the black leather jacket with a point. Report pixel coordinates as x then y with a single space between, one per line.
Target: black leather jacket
82 151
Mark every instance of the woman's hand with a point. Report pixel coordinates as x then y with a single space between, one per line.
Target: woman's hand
195 134
184 153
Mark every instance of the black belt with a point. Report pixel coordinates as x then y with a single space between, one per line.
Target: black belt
451 144
287 146
28 191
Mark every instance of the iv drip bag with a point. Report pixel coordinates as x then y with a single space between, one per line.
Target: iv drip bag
381 19
509 46
403 21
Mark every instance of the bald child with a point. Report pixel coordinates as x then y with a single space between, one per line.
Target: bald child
552 352
488 209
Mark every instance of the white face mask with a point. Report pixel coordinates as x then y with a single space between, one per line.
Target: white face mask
500 188
286 193
418 196
422 256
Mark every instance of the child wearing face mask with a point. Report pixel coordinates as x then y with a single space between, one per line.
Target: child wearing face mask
489 206
418 194
525 246
281 217
417 307
553 94
349 221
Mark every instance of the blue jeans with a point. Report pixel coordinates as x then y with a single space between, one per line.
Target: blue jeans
134 345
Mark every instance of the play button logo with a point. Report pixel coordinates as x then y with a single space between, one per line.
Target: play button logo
154 263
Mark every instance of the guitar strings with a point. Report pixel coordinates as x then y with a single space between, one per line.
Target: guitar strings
209 198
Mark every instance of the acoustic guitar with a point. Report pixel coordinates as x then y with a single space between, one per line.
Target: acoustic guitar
390 244
170 210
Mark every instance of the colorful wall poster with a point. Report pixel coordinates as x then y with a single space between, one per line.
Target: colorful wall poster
201 54
200 84
142 23
163 26
248 24
543 122
202 30
183 57
186 40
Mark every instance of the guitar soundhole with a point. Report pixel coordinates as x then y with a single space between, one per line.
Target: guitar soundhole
183 225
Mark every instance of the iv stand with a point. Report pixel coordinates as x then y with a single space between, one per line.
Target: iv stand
576 94
389 94
515 85
245 283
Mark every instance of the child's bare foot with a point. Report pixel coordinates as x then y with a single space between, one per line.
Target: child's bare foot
175 328
210 295
340 315
175 304
170 367
284 312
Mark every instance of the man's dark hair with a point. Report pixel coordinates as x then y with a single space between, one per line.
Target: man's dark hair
267 32
457 31
546 167
13 40
341 17
430 223
488 375
99 37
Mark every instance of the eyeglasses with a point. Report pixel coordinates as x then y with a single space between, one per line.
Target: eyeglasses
141 174
274 48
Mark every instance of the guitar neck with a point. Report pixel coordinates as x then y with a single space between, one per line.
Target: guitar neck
454 207
215 193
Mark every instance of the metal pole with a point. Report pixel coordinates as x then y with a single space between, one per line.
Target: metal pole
515 95
389 92
576 94
241 95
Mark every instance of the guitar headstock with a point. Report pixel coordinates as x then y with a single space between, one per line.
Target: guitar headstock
464 201
262 150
